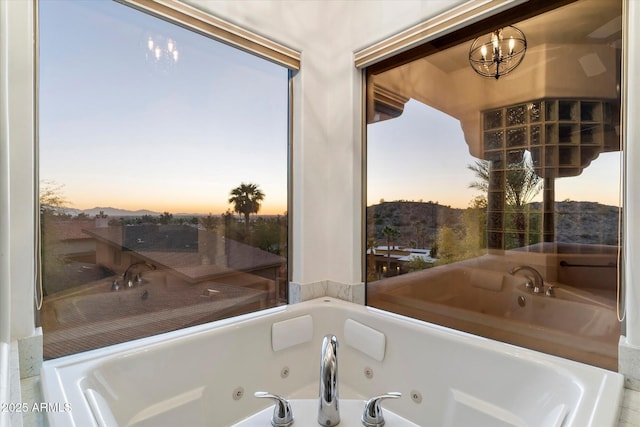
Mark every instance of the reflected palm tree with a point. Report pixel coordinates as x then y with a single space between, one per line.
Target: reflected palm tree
522 184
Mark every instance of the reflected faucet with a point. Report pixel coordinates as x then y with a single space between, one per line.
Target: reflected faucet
128 276
328 412
538 281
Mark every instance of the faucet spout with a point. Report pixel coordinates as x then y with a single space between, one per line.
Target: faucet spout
328 412
538 281
128 277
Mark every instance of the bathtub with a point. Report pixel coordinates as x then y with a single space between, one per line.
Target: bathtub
574 324
206 375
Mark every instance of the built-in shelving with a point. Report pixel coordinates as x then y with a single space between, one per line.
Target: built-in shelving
562 135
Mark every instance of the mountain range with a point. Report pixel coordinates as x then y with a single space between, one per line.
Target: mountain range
418 222
118 212
109 211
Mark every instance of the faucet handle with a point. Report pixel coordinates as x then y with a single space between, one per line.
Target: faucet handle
282 413
372 415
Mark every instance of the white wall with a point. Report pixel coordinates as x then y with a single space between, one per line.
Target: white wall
327 167
17 188
5 291
632 178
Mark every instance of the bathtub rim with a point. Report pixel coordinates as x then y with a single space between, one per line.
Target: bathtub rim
606 412
133 346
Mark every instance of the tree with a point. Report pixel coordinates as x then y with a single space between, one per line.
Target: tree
433 252
449 246
147 219
421 234
165 218
522 184
417 263
391 234
52 204
51 198
209 222
267 234
474 232
246 200
371 261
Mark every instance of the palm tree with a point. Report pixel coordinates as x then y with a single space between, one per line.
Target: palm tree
522 182
521 185
246 200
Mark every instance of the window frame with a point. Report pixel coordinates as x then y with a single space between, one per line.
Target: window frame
374 60
215 28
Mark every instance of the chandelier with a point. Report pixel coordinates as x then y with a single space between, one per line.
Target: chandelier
498 53
162 49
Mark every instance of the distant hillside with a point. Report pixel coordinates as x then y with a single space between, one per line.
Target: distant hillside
118 212
585 222
417 222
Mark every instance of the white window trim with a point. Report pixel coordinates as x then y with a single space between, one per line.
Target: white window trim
447 22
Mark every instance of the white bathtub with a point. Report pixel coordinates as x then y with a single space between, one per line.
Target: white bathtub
447 378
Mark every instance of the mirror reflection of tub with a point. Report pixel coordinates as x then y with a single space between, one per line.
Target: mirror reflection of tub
95 314
207 375
574 323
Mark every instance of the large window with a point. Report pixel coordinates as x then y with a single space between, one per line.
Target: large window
163 169
493 203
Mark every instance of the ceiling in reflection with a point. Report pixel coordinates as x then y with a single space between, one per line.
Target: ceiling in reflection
573 52
584 22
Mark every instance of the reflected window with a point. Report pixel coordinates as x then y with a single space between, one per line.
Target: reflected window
469 179
163 164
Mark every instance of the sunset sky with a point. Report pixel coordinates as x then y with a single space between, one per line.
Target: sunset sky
119 128
422 155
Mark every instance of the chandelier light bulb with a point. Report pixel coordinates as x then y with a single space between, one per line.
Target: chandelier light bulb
160 50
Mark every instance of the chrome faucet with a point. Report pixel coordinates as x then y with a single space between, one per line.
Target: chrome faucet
328 412
282 414
372 414
538 281
128 276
